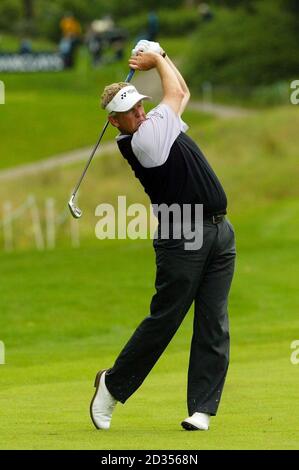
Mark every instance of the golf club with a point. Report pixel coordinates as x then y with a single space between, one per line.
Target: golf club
75 211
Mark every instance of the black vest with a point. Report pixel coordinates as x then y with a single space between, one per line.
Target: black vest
185 178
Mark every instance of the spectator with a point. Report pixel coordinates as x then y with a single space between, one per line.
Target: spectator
25 46
71 32
205 12
102 36
70 27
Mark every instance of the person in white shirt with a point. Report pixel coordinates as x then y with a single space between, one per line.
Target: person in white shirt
172 170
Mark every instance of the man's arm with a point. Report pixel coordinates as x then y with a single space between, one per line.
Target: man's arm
183 84
173 94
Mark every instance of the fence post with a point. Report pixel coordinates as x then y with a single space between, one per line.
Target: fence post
50 223
36 225
207 92
7 226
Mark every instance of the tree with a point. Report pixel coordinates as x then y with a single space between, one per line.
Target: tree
234 3
244 50
28 9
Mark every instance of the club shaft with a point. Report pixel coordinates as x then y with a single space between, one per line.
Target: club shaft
128 79
90 158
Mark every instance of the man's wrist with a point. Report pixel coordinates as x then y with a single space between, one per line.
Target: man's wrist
159 59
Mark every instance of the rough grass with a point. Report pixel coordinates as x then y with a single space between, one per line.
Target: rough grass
255 158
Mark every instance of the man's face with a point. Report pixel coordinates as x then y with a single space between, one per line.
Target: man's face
129 121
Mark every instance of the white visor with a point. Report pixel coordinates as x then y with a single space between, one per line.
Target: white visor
125 99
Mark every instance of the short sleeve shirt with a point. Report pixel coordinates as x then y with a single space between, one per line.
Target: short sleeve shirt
152 141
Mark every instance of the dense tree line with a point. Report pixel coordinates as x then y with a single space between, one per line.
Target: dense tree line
244 43
245 49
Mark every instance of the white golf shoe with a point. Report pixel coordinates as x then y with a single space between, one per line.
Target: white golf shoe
197 422
102 403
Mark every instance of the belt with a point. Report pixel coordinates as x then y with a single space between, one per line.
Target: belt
215 219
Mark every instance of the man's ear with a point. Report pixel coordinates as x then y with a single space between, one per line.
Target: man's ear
113 120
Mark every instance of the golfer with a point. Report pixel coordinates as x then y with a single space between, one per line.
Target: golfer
172 170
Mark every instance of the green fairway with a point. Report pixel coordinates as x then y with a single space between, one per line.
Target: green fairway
67 313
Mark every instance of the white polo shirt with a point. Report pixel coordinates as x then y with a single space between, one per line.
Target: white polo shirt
152 141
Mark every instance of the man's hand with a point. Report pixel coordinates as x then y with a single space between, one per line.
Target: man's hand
173 94
144 60
147 46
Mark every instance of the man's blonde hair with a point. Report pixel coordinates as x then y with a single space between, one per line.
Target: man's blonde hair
110 91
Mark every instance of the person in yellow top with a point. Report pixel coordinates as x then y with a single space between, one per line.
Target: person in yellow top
69 26
71 32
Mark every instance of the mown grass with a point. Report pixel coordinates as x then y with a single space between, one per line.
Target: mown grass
67 313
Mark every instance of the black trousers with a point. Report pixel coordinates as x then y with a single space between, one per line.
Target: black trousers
203 276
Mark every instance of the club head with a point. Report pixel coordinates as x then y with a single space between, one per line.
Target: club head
75 211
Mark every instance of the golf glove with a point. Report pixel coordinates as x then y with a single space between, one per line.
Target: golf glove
147 46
